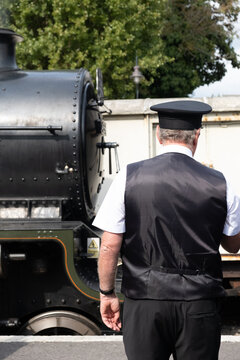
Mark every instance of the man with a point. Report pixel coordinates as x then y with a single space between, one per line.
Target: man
168 215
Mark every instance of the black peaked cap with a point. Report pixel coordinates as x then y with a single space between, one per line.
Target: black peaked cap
181 115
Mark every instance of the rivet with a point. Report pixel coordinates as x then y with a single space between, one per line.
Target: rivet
63 301
38 92
76 170
78 198
76 178
77 185
76 85
74 112
74 154
74 120
78 191
35 179
74 129
74 137
75 92
74 145
78 301
48 301
3 89
71 198
47 179
74 98
23 179
10 179
74 105
13 202
59 178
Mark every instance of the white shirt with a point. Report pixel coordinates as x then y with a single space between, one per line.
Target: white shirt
111 215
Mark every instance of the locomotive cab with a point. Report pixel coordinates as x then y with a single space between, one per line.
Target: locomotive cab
51 146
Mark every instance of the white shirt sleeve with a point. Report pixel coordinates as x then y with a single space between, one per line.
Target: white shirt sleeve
232 223
111 215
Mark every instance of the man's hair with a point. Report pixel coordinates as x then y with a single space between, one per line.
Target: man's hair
178 136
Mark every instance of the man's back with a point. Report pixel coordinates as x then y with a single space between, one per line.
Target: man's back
175 213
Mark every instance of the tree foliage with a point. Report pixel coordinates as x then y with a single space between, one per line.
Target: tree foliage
69 34
181 44
197 36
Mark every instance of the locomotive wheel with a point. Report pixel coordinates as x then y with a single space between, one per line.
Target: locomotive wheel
59 323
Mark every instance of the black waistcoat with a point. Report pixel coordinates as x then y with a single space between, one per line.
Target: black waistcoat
175 214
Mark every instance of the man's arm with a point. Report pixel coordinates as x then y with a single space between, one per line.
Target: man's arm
231 243
107 265
231 231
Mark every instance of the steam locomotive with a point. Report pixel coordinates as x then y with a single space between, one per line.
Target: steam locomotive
51 171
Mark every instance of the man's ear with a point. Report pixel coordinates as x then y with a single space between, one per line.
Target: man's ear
158 134
197 136
195 141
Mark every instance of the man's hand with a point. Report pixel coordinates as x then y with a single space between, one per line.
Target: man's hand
110 311
107 266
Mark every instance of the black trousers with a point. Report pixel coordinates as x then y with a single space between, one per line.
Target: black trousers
155 329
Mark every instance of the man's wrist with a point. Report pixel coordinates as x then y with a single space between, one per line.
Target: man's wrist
107 292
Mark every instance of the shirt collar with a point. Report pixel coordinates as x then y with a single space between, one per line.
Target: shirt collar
175 148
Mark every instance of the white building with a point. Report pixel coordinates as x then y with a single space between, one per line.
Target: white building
133 126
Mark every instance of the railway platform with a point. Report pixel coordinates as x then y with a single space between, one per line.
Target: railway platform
84 348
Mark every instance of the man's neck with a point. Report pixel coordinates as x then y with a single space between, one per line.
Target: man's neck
178 143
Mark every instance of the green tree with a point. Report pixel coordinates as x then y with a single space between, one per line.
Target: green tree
5 13
69 34
181 44
197 36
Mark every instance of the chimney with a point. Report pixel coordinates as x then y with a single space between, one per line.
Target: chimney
8 40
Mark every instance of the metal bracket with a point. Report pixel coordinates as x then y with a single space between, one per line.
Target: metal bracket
65 170
109 145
